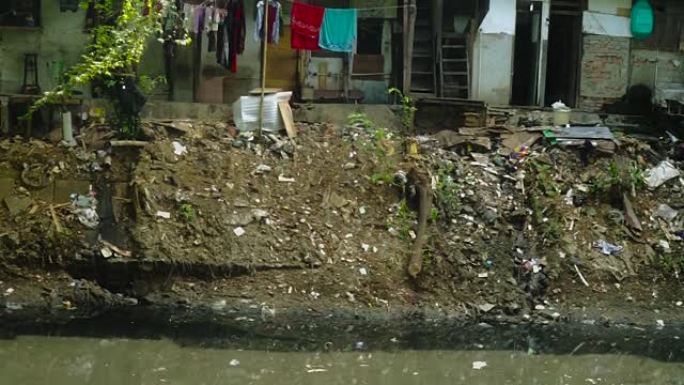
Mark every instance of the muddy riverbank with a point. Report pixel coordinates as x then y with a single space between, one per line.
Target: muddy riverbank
198 225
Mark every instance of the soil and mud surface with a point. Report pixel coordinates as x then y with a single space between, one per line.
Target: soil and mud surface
200 224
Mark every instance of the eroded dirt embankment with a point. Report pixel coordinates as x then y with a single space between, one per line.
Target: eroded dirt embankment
218 226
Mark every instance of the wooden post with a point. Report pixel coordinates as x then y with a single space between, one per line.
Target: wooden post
410 10
264 58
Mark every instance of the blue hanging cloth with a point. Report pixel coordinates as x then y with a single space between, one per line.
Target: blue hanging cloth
338 32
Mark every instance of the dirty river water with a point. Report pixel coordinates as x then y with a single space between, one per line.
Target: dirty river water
33 360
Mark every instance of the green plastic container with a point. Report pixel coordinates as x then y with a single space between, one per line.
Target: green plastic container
642 19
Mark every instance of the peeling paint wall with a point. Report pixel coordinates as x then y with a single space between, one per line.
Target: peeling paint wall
662 72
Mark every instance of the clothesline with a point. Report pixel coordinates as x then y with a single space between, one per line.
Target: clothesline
362 9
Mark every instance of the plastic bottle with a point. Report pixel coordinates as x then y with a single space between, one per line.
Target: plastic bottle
642 19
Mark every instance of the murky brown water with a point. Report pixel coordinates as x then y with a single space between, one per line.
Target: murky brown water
79 361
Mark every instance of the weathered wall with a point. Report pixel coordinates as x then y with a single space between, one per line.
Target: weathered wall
605 70
61 40
611 7
493 54
661 71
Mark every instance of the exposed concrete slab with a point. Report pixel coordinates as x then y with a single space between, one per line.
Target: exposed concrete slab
46 194
17 205
382 115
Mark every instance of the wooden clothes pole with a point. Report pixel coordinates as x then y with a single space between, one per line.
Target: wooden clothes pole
264 58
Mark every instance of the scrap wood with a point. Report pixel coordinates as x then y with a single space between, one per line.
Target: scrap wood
519 140
55 220
128 143
423 187
123 253
288 119
630 216
169 125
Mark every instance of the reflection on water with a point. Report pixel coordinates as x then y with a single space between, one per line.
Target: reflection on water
79 361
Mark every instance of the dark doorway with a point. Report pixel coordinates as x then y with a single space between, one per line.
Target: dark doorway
565 39
527 53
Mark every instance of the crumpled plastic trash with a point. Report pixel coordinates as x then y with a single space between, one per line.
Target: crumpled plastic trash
666 212
179 149
608 248
559 105
85 208
660 174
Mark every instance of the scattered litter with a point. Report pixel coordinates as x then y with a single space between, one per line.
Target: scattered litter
679 303
479 365
608 248
179 149
106 252
581 276
262 168
365 247
85 207
486 308
239 231
660 323
539 307
483 275
282 178
9 291
664 246
234 362
164 214
666 212
360 345
316 370
363 271
660 174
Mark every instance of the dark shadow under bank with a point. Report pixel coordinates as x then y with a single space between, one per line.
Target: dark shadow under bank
304 330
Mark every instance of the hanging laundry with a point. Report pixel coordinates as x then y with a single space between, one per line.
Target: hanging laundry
338 32
306 26
198 23
230 35
238 32
189 16
274 10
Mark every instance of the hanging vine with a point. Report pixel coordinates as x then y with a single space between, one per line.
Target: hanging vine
118 43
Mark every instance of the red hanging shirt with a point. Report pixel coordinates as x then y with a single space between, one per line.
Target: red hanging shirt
306 26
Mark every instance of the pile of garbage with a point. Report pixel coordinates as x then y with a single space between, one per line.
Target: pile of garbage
517 208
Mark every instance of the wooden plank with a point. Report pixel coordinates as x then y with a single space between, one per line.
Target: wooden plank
288 119
267 91
4 115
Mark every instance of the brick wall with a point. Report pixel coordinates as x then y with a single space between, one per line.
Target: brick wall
605 70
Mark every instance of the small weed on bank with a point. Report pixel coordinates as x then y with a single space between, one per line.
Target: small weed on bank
187 212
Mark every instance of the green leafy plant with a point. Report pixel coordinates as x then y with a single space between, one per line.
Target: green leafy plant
377 144
117 46
187 212
408 109
402 220
447 192
543 194
621 177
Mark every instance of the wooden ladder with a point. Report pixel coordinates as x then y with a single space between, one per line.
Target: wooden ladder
423 80
454 66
